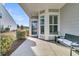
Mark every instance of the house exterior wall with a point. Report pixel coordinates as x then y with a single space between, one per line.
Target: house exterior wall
69 19
30 27
46 35
7 20
43 36
35 9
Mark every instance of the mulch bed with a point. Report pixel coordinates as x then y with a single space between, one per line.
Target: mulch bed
14 46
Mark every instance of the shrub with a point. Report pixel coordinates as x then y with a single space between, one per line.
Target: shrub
20 33
5 44
27 31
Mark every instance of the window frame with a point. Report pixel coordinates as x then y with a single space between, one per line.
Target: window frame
33 29
42 24
53 24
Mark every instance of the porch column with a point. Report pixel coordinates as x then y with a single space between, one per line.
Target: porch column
46 25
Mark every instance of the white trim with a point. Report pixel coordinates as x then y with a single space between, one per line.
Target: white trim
43 14
46 24
43 24
58 21
31 27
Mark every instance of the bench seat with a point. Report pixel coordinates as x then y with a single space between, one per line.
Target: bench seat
70 40
67 42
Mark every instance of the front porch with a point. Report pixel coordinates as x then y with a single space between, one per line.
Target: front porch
36 47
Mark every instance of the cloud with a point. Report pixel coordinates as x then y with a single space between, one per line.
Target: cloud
20 19
10 11
14 15
4 4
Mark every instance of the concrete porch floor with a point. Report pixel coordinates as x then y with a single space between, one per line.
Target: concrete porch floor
36 47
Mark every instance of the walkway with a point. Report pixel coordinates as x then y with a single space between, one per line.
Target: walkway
33 46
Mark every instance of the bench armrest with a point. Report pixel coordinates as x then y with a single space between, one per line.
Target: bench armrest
62 37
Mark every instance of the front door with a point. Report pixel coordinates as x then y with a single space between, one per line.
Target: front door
34 29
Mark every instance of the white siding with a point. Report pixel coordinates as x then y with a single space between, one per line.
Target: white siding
46 34
70 19
46 25
42 36
30 27
6 19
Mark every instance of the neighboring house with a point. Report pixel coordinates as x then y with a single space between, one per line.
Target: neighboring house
6 20
48 20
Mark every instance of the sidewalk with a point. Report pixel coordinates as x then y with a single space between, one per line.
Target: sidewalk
36 47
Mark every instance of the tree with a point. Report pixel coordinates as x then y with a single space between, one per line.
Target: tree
22 27
17 26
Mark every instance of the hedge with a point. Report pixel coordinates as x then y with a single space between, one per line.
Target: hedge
5 44
21 34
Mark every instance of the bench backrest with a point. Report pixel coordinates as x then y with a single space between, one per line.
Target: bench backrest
72 38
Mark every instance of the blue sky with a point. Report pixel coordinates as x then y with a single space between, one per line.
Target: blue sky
18 14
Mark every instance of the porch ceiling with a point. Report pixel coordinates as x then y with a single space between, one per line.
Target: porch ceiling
34 8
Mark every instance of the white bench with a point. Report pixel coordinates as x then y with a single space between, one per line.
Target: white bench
71 42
